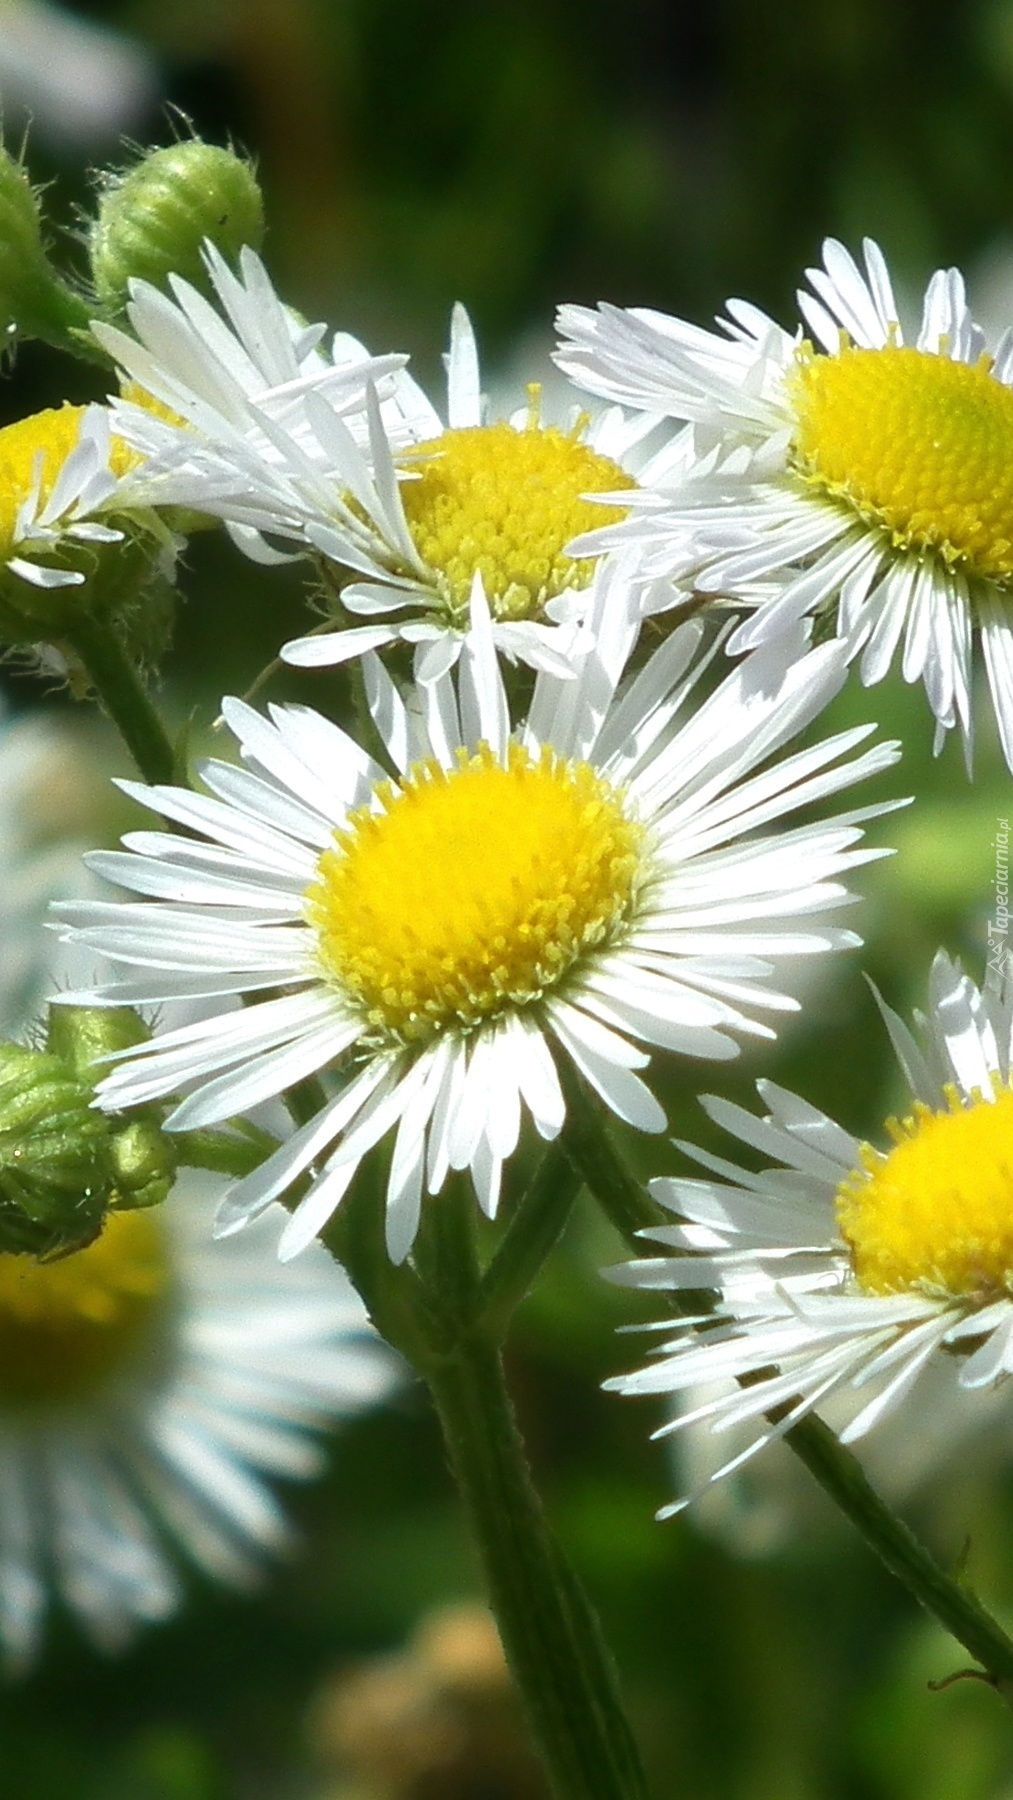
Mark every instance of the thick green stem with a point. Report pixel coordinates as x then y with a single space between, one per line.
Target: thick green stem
56 315
550 1635
122 693
586 1141
838 1472
395 1298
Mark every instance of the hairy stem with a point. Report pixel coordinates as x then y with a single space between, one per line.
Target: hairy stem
122 693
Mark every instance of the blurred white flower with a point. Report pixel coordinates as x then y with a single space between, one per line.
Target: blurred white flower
152 1388
77 82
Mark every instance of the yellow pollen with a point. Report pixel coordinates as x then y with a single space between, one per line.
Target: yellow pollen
473 891
916 444
504 503
936 1211
67 1325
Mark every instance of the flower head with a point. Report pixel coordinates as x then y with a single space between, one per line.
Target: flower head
591 881
157 1380
849 468
380 488
850 1267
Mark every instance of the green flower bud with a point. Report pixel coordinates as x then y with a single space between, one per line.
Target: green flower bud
144 1164
152 220
84 1036
33 301
142 1158
55 1165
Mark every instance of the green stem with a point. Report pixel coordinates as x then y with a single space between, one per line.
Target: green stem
586 1141
56 315
838 1472
305 1100
446 1258
550 1634
842 1477
534 1229
433 1312
121 692
394 1297
225 1152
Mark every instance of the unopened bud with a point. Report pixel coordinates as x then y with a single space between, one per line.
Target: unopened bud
144 1164
142 1158
153 219
84 1037
34 302
55 1165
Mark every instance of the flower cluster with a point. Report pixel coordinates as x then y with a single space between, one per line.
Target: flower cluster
589 821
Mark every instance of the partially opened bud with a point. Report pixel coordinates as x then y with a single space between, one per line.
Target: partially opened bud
153 220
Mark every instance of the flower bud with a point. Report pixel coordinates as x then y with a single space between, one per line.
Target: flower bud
142 1158
55 1165
153 219
83 1037
144 1164
33 300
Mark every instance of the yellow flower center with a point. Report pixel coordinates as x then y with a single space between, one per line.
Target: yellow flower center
51 435
505 503
67 1325
918 445
474 890
48 437
936 1211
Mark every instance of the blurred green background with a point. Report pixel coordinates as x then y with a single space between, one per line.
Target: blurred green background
669 152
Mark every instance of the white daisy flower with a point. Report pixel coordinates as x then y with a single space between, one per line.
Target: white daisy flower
851 467
847 1269
206 384
153 1386
594 880
412 506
